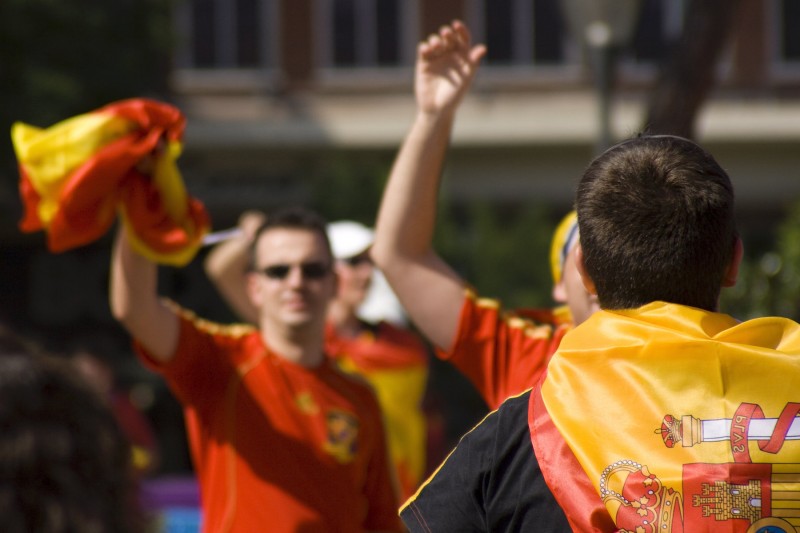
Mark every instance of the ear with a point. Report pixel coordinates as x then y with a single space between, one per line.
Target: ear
732 272
560 292
588 283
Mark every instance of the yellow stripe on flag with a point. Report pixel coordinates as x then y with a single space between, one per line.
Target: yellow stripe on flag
49 156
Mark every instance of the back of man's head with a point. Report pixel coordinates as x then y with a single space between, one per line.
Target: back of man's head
64 461
656 219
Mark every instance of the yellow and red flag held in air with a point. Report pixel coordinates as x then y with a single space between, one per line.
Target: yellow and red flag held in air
79 174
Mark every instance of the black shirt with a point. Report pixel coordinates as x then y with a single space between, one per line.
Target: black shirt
490 482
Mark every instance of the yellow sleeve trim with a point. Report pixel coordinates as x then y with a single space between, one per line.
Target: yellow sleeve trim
232 330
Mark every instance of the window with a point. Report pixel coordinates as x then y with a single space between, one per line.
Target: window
535 32
781 24
659 26
226 34
519 32
788 35
365 33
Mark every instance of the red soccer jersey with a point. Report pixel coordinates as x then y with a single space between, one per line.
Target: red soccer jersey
379 347
394 361
504 353
278 446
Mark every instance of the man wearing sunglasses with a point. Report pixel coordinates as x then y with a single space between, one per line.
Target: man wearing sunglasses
392 359
281 440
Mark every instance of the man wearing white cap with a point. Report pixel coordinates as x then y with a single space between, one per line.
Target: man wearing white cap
372 296
392 359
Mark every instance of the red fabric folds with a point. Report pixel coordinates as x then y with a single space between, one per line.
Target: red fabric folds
573 491
76 176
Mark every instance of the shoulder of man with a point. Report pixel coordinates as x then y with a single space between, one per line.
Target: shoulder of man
490 481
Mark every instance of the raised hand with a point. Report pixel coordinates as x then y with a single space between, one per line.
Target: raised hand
446 64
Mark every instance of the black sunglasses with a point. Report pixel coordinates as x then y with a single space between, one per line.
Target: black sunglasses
313 270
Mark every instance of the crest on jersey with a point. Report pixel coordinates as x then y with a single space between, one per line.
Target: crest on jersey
342 439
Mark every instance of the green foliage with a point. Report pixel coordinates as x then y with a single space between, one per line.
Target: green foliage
788 275
769 276
350 188
755 292
64 58
502 250
59 59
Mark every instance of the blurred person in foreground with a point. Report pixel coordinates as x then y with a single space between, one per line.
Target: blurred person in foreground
392 359
280 438
501 352
91 357
65 465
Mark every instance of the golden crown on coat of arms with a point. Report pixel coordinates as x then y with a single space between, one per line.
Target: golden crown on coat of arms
637 500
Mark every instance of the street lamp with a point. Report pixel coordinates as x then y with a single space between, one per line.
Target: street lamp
603 27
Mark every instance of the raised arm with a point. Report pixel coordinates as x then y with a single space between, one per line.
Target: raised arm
226 266
431 292
133 295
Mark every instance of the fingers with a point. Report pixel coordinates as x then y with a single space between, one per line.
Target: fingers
432 47
461 32
477 53
451 38
250 221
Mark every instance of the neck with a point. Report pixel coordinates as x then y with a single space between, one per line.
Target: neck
344 319
299 346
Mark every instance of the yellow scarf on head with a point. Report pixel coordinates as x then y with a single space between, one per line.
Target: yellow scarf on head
682 419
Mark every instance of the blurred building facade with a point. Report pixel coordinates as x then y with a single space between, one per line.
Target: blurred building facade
276 90
272 88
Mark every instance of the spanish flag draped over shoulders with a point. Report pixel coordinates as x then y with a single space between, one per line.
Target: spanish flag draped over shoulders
678 418
78 175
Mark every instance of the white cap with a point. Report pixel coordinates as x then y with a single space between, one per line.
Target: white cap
348 238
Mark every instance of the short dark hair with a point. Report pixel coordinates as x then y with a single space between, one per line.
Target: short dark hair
656 221
293 217
64 461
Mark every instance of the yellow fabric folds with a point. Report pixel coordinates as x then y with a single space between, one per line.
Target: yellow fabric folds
53 153
683 419
75 176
